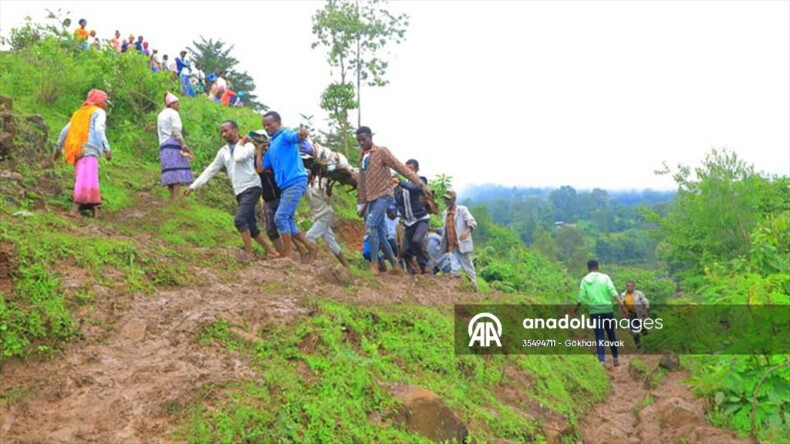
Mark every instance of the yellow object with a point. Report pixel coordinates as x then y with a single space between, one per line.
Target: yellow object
629 302
78 132
81 34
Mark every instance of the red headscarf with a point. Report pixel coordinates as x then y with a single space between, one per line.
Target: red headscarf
96 97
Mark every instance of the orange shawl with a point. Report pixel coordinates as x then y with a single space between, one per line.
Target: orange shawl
78 132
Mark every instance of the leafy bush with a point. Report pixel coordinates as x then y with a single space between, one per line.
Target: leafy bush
730 384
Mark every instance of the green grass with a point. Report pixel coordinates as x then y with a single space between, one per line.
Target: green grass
323 378
187 222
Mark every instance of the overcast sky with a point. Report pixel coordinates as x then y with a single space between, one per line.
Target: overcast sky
588 94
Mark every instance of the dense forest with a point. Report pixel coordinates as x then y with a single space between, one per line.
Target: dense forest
569 225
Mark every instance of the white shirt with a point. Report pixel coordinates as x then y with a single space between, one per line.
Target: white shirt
168 125
186 69
320 203
221 83
239 166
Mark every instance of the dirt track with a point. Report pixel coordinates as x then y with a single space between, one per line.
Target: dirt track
672 414
118 386
122 382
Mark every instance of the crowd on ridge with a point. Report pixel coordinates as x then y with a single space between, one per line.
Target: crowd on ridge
217 86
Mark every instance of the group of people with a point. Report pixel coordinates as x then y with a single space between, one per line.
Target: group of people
217 86
132 43
599 294
267 170
382 196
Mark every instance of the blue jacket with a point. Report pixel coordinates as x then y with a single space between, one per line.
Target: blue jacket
407 196
283 157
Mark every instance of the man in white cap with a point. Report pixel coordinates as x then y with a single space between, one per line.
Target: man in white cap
457 237
174 154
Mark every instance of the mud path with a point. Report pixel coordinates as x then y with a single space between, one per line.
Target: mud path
125 380
118 388
637 413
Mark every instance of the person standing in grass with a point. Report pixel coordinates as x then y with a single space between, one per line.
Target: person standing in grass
174 153
198 79
115 42
81 34
457 237
84 140
237 159
128 44
598 292
636 310
184 70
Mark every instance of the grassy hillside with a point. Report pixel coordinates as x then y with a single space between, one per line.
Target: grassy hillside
322 377
320 353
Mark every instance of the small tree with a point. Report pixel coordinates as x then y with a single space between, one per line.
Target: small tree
337 100
30 32
717 207
355 35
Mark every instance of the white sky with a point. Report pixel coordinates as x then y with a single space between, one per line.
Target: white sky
588 94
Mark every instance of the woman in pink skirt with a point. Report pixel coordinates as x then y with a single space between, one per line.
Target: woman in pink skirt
85 140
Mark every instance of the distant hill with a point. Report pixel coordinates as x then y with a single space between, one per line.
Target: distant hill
482 194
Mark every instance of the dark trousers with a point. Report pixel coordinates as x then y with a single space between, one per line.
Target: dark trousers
599 331
634 324
414 243
269 210
245 214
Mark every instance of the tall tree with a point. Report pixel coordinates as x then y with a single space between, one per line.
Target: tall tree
717 207
564 200
355 35
216 55
572 249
